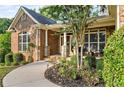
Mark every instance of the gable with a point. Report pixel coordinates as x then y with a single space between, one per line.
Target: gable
24 22
35 17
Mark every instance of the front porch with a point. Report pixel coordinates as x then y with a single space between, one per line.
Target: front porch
95 40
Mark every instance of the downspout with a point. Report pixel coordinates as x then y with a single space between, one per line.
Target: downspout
118 18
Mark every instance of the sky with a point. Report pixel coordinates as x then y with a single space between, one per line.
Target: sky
9 11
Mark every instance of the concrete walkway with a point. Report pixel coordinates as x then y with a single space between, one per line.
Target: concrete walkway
30 75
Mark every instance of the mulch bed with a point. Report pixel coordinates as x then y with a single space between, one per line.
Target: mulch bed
52 75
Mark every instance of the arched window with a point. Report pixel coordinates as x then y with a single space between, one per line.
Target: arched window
23 41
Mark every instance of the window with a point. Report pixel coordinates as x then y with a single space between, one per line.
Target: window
23 41
101 41
95 40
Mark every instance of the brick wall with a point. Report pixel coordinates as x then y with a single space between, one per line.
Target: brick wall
53 42
14 45
42 44
27 25
22 25
121 15
14 42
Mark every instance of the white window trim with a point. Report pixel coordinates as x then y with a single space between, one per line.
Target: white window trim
92 31
22 43
98 31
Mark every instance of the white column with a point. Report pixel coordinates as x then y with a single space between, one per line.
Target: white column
36 49
98 41
60 44
39 41
89 41
65 44
46 43
118 20
70 44
39 44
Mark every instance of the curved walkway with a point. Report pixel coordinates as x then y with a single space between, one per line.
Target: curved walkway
30 75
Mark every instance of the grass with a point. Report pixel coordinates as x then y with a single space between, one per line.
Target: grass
4 71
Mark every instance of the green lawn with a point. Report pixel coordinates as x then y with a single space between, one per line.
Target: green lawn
4 71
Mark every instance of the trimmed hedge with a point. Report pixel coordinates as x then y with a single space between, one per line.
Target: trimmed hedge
7 63
24 63
9 58
15 64
18 57
2 55
113 71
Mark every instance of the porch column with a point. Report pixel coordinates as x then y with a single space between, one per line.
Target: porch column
118 16
70 45
36 49
65 45
60 44
46 43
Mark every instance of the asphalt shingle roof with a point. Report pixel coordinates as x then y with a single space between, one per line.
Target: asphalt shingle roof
41 19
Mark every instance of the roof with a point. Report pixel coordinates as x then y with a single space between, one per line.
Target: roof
36 17
41 19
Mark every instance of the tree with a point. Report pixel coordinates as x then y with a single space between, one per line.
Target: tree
5 42
5 45
78 17
4 24
55 12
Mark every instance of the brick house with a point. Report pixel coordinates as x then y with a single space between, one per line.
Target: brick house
29 26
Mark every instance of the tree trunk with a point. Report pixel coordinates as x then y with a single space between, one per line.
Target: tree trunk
82 45
77 54
81 56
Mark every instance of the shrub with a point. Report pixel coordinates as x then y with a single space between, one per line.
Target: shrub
90 78
24 62
9 58
68 68
90 61
15 63
113 72
99 67
2 54
62 67
5 42
7 63
18 57
73 73
30 59
2 64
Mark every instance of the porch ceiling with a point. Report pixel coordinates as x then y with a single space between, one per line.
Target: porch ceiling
99 22
54 27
